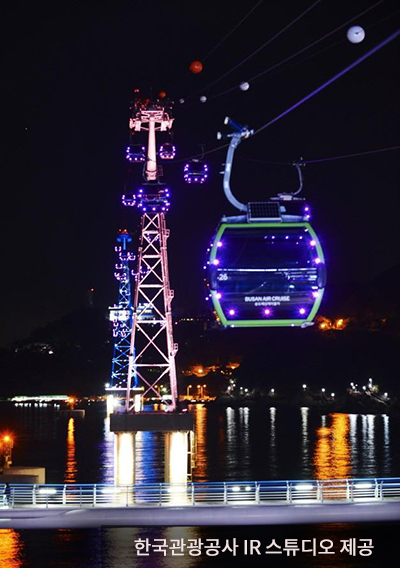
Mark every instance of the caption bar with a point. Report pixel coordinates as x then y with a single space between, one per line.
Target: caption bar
214 547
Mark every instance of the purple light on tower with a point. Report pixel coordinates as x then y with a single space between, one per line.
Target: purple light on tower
216 261
218 295
219 244
302 311
267 312
317 260
313 243
232 312
315 294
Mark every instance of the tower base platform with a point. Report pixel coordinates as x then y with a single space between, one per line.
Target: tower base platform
152 422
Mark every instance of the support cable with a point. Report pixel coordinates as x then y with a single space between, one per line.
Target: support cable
355 63
299 52
270 40
389 39
232 30
222 40
321 160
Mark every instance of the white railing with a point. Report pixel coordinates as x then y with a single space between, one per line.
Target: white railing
190 494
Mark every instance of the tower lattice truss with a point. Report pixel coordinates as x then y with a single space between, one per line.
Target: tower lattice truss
121 317
152 355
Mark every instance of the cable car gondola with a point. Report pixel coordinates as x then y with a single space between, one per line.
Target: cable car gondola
265 267
135 153
167 151
195 171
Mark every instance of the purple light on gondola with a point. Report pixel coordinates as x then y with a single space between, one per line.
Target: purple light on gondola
135 153
167 151
195 172
129 200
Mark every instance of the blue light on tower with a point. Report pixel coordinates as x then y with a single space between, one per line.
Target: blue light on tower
121 314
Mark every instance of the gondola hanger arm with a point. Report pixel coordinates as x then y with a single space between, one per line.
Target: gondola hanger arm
236 137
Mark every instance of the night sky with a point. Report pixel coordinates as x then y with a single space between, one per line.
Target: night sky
69 75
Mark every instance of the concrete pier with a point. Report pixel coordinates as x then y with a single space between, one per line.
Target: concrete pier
178 429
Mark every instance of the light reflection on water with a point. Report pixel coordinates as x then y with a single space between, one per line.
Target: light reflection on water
71 463
106 448
201 459
272 442
305 442
119 547
332 453
250 443
231 442
11 549
386 446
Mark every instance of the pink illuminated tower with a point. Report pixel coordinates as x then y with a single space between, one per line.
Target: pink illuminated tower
152 352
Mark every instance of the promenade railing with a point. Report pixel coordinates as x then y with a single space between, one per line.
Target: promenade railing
207 493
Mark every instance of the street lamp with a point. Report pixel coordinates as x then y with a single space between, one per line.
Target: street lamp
187 390
6 446
201 388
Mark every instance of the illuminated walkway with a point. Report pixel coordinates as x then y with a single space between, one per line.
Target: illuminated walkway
196 504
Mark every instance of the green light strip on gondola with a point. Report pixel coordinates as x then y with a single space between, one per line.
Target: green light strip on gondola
265 323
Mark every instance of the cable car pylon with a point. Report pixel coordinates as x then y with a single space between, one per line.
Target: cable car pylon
121 317
152 350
